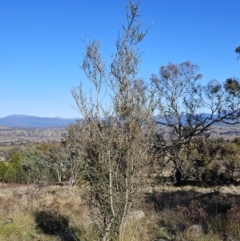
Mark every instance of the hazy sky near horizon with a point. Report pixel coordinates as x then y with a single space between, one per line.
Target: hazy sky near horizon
41 45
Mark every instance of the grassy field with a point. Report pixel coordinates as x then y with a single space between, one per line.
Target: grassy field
5 148
28 212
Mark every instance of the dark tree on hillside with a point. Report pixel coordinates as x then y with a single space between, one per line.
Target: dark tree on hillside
182 98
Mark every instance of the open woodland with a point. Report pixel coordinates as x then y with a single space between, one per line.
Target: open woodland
148 166
37 203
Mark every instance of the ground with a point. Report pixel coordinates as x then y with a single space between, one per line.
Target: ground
30 212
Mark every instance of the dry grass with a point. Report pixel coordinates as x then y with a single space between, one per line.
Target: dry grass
23 208
20 203
169 214
23 228
216 209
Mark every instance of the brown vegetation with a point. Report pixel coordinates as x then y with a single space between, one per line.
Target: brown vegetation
51 213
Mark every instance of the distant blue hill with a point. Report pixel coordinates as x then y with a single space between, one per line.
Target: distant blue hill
198 118
25 121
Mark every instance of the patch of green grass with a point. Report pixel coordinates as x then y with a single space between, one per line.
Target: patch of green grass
23 229
5 148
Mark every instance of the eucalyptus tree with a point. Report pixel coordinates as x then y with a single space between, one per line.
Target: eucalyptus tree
182 99
36 166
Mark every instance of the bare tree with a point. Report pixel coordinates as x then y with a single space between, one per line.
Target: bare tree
115 140
72 144
181 102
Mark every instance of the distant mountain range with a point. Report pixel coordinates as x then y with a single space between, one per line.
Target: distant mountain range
25 121
199 118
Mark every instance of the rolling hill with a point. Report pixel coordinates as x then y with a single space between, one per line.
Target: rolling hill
25 121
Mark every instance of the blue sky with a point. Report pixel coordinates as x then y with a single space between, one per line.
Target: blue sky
41 45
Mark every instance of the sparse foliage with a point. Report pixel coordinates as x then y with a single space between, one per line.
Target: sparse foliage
181 100
114 141
70 164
